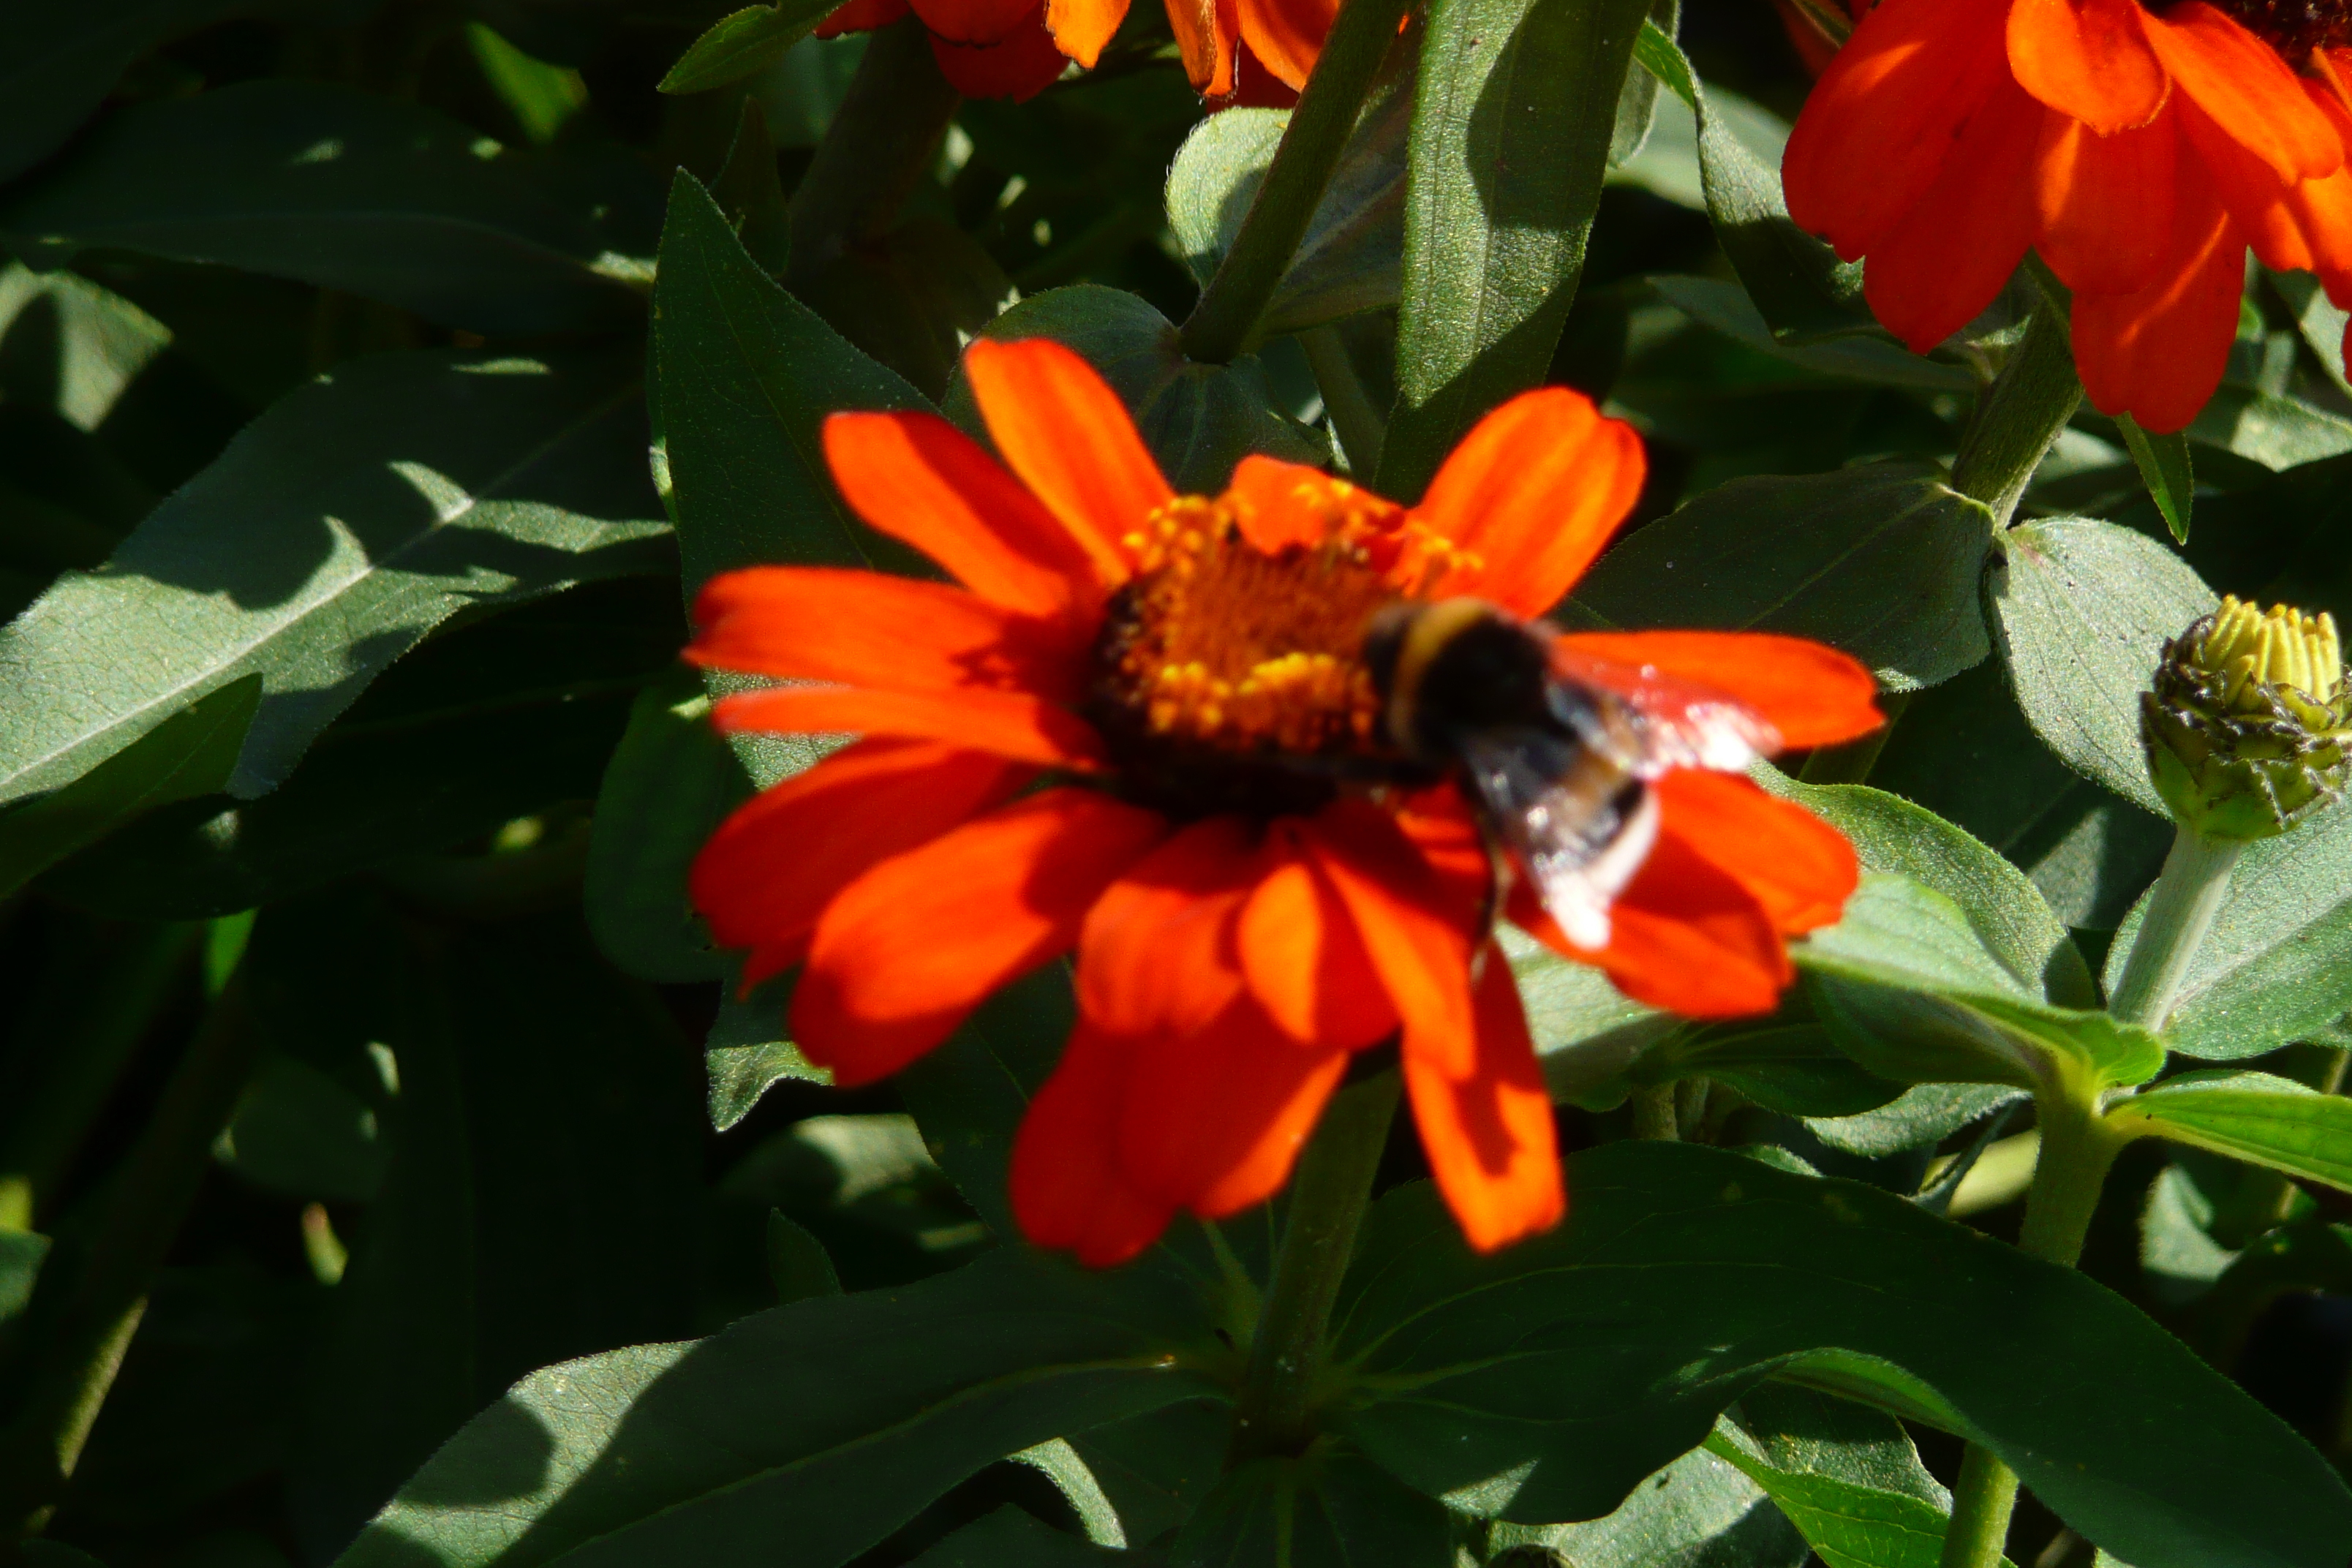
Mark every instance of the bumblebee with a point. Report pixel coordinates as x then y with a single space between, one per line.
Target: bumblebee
1554 751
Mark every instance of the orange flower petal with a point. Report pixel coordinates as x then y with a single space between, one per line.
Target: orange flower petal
2105 203
2159 353
973 21
1286 36
822 623
1800 869
1062 429
1277 504
1489 1136
1007 723
1687 937
1302 958
1876 130
1215 1121
1066 1183
1400 911
1937 270
1019 65
861 17
1156 954
1533 492
2262 209
767 874
1205 33
918 478
910 948
2249 90
1081 28
1812 694
2088 59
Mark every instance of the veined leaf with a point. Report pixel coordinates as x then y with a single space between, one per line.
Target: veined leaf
2167 469
1328 1507
58 63
743 42
2251 1116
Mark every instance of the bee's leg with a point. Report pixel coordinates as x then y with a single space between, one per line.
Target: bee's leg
1498 865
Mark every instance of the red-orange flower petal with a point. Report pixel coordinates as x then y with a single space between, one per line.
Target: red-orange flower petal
1688 937
2105 203
820 622
973 21
861 17
1213 1121
1067 1184
1877 128
1813 695
2088 59
1081 28
2159 353
767 872
1062 429
1800 868
1533 492
1419 952
1935 271
1007 723
1019 65
1489 1136
918 478
1278 504
1286 36
1205 32
2249 90
2261 208
1156 954
911 947
1304 963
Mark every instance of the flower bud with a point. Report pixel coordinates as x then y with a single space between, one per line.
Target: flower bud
2249 729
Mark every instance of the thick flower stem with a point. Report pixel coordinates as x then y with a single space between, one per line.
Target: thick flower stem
878 145
2189 892
1221 324
77 1366
1274 1410
2020 417
1655 1116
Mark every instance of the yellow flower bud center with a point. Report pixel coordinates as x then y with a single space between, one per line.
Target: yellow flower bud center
2281 648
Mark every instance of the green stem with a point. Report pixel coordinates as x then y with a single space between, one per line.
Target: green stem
152 1197
2189 892
1363 428
877 147
1656 1115
1274 1410
1221 324
1981 1504
2020 417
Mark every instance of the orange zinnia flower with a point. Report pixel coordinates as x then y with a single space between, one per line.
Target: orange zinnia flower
2141 148
1144 726
1015 48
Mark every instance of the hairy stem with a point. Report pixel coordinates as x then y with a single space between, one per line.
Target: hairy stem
877 147
2188 893
1656 1115
1329 1193
2020 417
1221 325
1363 428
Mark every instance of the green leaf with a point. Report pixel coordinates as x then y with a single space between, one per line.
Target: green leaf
1693 1513
1511 1379
747 1055
1799 286
971 1094
1328 1507
1805 1431
797 1264
1199 420
1637 101
67 344
58 62
2169 471
742 43
2082 610
1586 1031
300 1133
748 374
1881 561
1793 1068
823 1424
378 198
540 1201
2277 432
1009 1538
1516 108
1154 1468
1728 309
541 96
330 538
22 1253
2276 963
1349 259
1924 1114
671 782
1850 1526
2251 1116
191 753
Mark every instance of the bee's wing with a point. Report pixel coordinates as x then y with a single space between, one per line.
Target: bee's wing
1658 723
1576 823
